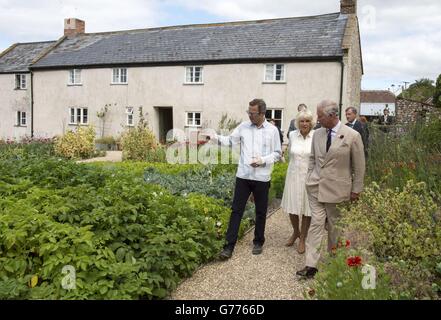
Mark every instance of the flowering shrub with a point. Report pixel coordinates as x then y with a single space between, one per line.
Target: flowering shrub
341 277
403 230
27 146
140 144
77 144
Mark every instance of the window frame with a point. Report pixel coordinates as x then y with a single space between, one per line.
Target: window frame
130 114
78 116
193 75
274 73
119 76
20 79
193 119
21 115
273 112
75 73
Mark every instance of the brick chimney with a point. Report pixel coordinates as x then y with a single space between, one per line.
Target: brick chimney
348 6
73 26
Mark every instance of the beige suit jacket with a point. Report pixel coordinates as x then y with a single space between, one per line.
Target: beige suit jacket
339 171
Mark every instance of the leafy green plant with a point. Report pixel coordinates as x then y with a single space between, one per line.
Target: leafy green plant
125 238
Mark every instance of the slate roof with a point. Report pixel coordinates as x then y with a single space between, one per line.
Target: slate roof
20 56
377 96
286 38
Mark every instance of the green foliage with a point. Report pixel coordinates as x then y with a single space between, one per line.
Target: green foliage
35 147
226 124
140 143
200 180
420 90
278 179
399 227
126 239
410 154
106 140
76 144
430 135
339 281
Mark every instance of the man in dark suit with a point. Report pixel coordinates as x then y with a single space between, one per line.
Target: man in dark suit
292 124
385 120
354 123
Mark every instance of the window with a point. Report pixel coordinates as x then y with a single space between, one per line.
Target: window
193 74
74 77
129 112
193 119
275 114
20 81
119 76
275 72
21 119
78 116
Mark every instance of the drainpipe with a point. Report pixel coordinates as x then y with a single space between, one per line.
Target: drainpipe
341 87
32 104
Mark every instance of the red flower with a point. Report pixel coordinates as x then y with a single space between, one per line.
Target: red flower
353 261
348 243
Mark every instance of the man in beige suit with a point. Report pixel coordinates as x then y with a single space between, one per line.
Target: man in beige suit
335 174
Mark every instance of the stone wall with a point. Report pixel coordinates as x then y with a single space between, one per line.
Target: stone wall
409 111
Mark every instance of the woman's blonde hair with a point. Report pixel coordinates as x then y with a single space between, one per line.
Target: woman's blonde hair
305 114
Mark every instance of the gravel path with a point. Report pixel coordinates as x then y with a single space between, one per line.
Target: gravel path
246 276
112 156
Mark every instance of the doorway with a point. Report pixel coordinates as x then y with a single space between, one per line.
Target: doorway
165 122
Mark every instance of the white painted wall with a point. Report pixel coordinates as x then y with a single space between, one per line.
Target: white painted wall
227 88
11 101
376 109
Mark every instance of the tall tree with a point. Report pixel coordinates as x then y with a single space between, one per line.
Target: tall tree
420 90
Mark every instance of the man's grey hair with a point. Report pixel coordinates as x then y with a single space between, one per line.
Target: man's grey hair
352 109
329 107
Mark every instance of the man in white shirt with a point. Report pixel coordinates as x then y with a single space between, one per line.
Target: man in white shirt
260 148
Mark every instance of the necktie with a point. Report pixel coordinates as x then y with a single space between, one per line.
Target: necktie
350 125
328 141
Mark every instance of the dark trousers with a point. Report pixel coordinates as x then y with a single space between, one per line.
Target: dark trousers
242 192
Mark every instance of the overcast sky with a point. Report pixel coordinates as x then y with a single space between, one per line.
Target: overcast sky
401 39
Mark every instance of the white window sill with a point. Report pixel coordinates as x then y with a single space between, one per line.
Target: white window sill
23 89
193 127
193 83
274 82
119 83
20 126
78 124
74 84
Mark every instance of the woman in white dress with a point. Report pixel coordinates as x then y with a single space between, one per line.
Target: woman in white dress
295 199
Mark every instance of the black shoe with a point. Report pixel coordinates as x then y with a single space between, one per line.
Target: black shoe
257 249
307 272
226 254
